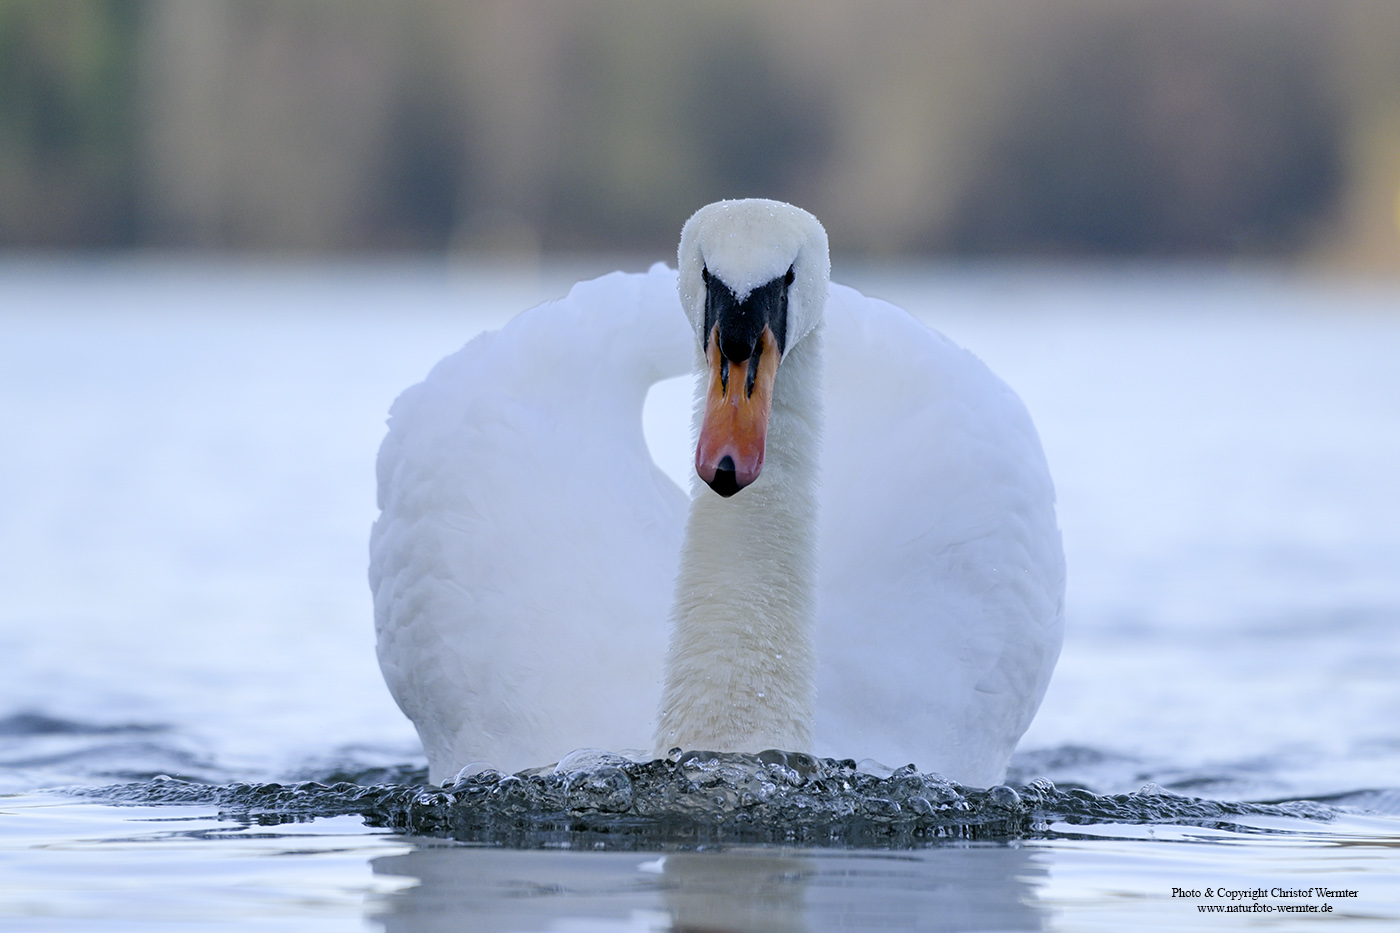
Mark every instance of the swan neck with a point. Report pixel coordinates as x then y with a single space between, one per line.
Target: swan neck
740 672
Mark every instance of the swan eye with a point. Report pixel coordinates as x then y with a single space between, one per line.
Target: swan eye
787 279
753 369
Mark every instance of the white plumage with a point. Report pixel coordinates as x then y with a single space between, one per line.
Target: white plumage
525 560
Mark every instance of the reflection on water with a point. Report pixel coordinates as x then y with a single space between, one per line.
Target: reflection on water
78 866
975 887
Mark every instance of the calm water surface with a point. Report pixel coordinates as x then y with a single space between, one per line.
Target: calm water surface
185 493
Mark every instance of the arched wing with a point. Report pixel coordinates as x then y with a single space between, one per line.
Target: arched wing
940 612
524 558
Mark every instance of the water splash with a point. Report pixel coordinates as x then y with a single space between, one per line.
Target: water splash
599 800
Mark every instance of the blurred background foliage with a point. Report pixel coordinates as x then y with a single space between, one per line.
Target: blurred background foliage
1180 128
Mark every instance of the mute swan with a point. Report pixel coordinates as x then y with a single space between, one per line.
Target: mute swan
887 586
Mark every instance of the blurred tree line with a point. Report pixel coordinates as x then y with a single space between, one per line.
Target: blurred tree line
1083 127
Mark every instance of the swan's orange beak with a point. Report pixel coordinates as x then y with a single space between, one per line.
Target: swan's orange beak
729 454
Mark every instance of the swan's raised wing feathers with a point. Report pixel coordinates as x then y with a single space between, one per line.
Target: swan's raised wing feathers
523 561
940 607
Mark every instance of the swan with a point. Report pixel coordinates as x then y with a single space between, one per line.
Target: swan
868 565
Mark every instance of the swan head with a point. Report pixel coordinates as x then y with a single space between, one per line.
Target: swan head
753 282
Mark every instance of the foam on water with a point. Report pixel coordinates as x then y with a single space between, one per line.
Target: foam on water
595 799
604 801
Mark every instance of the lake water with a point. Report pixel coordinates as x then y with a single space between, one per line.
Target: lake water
186 486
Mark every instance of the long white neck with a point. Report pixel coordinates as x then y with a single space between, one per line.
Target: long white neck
740 672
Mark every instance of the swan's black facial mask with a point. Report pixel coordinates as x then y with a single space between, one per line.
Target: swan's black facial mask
741 323
748 338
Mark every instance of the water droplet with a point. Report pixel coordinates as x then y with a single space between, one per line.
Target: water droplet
919 805
1003 796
